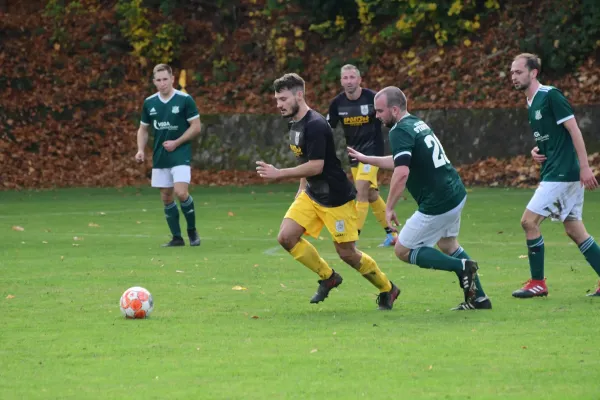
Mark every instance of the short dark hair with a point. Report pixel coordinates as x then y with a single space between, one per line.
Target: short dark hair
291 82
394 96
532 61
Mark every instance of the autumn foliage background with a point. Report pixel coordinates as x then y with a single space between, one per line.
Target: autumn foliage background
74 75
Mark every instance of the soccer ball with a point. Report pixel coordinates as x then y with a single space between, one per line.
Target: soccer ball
136 303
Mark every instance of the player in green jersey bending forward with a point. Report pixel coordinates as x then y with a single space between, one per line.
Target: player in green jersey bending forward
565 173
421 166
175 119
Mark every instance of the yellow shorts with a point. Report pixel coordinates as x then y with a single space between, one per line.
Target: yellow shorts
341 222
366 172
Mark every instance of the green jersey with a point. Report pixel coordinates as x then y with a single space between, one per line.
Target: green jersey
433 182
548 110
170 119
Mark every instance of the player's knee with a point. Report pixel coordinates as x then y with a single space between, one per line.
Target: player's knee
286 241
373 195
402 252
167 198
182 194
528 225
349 256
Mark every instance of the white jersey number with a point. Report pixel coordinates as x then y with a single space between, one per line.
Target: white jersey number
439 157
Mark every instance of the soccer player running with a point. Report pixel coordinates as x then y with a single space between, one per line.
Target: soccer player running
325 197
565 173
175 119
421 166
354 109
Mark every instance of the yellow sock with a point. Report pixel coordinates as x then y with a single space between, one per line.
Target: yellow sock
306 253
378 207
369 269
362 209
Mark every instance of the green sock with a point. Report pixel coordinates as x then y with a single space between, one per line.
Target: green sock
536 258
461 253
428 257
172 214
187 208
591 251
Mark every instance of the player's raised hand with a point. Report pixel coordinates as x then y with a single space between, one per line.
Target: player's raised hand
587 178
267 171
140 157
356 155
537 157
391 219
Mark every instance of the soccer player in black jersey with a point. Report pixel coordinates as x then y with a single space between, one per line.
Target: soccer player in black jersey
354 109
325 197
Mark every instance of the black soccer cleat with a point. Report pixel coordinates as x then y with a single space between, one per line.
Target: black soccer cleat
386 300
177 241
325 286
194 237
467 280
480 303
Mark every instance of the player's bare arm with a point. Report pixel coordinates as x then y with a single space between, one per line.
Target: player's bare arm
385 162
142 140
310 168
189 134
587 177
397 186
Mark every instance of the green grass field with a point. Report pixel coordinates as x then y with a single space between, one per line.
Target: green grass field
62 335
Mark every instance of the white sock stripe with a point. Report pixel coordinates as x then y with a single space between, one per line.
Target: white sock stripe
586 248
188 201
589 242
413 255
458 251
538 243
169 206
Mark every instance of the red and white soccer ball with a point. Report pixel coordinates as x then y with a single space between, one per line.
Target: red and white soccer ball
136 303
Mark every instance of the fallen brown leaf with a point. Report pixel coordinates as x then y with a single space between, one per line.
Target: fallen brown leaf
231 214
18 228
10 296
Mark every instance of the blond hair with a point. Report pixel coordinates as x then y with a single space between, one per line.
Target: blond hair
162 67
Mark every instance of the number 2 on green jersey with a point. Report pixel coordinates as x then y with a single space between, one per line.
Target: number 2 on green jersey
438 156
